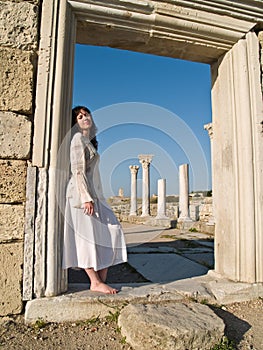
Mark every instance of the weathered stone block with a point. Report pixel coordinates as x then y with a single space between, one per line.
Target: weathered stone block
11 222
11 261
19 25
12 181
15 136
36 2
172 326
16 83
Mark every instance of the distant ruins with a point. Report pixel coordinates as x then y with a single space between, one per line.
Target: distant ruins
183 214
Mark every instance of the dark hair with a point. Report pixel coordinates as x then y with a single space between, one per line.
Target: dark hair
93 130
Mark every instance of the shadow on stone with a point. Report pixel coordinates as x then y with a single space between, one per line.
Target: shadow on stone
235 328
122 273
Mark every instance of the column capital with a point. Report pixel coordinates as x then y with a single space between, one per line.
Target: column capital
134 169
209 128
145 160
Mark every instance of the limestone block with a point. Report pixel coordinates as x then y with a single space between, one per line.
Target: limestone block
11 261
12 181
36 2
11 222
172 326
16 83
15 136
19 25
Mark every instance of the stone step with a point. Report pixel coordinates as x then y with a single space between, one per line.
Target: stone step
79 303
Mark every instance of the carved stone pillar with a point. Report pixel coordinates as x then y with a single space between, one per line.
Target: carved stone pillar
183 194
209 128
238 162
145 160
134 170
161 209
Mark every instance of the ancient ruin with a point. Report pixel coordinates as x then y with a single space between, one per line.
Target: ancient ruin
134 170
145 160
37 41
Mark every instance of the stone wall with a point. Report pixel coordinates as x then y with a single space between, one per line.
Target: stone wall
201 212
122 211
18 56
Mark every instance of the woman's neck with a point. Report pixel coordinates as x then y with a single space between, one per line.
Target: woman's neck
85 133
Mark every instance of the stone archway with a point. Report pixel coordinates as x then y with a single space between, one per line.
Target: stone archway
216 32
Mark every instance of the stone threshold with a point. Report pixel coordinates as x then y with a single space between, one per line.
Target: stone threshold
80 304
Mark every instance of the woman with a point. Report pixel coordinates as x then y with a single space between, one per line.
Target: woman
93 237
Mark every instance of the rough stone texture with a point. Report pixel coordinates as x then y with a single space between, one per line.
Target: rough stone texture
36 2
12 181
206 209
29 236
11 260
16 84
171 326
18 25
15 136
11 222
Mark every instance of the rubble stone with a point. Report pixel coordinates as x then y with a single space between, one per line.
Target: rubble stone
14 129
11 222
11 260
179 326
16 84
12 181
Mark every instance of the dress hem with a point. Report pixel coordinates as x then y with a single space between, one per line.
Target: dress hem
98 269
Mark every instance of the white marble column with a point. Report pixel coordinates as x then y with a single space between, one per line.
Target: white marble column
145 160
134 170
183 194
209 128
161 208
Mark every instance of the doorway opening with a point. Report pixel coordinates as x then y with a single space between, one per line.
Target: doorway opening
137 100
218 36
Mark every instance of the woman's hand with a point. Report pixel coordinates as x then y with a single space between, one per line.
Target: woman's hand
88 208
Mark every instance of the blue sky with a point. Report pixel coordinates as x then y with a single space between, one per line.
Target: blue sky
146 104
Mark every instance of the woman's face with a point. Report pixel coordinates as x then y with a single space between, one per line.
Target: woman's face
84 120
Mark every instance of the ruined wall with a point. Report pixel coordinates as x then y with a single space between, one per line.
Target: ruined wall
201 212
18 56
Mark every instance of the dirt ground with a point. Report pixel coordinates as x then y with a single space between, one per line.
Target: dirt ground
244 322
244 325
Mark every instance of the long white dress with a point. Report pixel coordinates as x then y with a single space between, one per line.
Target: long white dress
95 241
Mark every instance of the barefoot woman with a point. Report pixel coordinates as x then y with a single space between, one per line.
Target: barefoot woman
93 237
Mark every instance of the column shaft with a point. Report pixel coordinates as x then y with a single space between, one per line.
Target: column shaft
145 160
184 193
161 211
134 170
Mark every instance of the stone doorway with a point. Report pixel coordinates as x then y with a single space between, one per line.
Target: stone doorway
219 33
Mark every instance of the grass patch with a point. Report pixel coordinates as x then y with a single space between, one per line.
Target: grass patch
93 321
225 344
39 324
193 229
169 236
113 316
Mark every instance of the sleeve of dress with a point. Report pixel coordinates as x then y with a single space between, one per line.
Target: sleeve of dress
78 168
99 183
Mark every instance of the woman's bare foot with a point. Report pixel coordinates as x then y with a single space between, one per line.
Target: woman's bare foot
97 284
103 288
103 274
